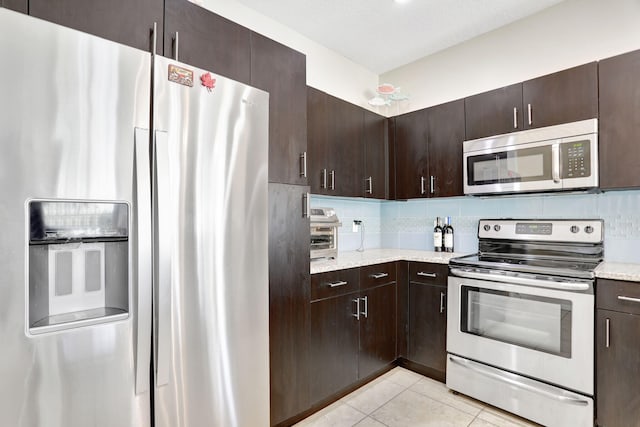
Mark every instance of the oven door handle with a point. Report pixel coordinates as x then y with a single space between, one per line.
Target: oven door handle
562 285
522 384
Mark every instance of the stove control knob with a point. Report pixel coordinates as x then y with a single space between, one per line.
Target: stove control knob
496 227
588 229
574 228
487 227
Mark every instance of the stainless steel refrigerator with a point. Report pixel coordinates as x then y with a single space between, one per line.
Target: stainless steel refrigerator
133 285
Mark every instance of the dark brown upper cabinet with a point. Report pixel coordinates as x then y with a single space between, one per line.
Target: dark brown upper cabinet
619 137
566 96
17 5
281 71
206 40
428 151
122 21
376 156
317 140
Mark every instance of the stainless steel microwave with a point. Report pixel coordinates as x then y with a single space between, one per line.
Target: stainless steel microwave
554 158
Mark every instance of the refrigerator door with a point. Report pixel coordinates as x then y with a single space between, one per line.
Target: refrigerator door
71 106
211 265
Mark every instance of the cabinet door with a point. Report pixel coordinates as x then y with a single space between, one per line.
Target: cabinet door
376 156
288 301
562 97
619 137
617 369
17 5
207 40
412 169
377 329
122 21
317 140
345 148
427 344
281 71
446 134
334 346
494 113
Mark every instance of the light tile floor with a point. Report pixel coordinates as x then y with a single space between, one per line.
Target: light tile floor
402 398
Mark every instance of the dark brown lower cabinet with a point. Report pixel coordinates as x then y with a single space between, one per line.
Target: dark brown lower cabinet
289 294
617 354
377 329
17 5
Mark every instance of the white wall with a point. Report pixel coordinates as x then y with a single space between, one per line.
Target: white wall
571 33
326 70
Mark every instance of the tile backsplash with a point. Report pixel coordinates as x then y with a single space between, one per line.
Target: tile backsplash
409 224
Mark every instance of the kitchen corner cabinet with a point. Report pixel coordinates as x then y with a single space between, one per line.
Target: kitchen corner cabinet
428 151
206 40
427 318
566 96
619 136
281 71
122 21
345 154
376 156
289 320
617 353
353 327
17 5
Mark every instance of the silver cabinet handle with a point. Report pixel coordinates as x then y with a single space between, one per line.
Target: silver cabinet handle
370 185
422 180
154 35
555 159
422 273
337 284
303 164
305 205
432 184
379 275
176 42
162 258
515 117
144 267
323 184
365 313
529 113
357 314
520 382
623 298
607 339
332 174
442 297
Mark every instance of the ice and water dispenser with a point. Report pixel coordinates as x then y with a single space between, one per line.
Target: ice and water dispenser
78 264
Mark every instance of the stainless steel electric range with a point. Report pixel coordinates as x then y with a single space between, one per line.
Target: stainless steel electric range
521 313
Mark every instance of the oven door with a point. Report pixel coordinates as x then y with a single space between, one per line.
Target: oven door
539 332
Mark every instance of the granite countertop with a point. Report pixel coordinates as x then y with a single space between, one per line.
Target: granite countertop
351 259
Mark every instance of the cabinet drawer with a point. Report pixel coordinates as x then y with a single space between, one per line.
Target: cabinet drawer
618 296
424 272
377 274
333 283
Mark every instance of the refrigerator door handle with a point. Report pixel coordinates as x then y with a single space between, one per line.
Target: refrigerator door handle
162 258
143 261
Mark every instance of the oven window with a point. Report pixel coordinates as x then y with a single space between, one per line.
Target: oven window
322 238
534 322
526 164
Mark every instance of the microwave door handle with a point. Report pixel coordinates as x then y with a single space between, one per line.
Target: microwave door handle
555 159
143 253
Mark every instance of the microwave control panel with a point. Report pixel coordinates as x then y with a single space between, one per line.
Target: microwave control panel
576 159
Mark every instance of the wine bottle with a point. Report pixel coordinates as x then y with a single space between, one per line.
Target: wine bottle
447 233
437 235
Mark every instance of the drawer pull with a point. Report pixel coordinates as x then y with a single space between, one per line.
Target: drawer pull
336 284
442 298
422 273
379 275
607 325
623 298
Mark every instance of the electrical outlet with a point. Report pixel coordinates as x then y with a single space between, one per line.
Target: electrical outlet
356 225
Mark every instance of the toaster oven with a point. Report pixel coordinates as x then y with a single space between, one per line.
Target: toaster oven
324 233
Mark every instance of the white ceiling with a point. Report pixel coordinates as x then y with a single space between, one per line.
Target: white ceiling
382 35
